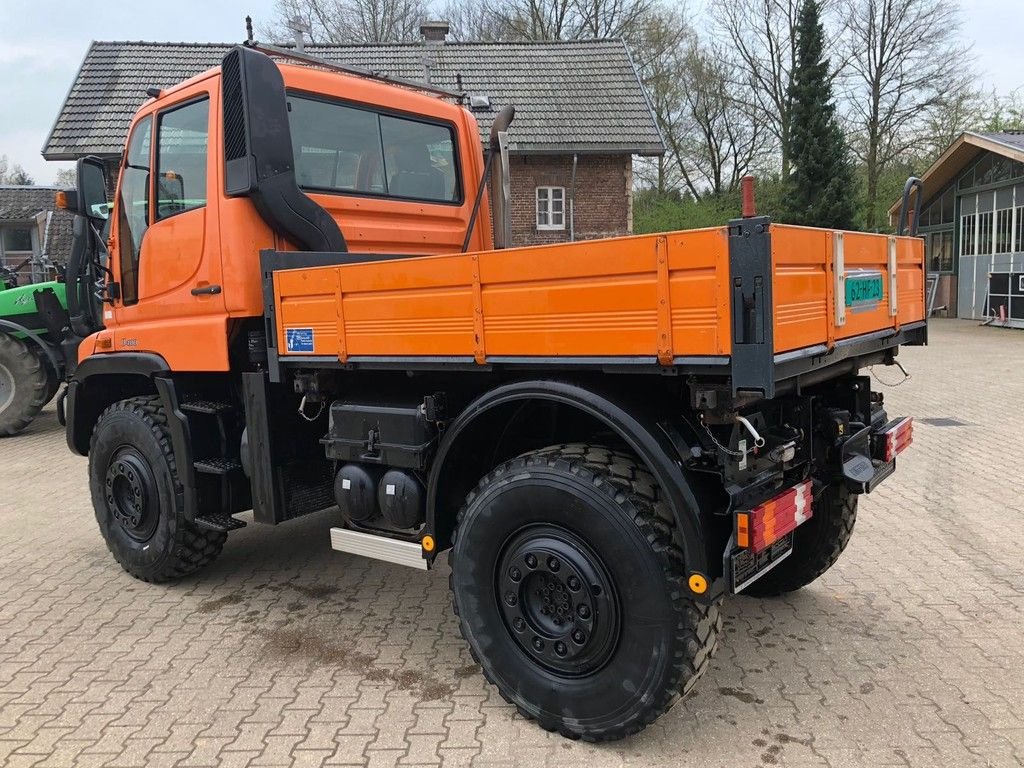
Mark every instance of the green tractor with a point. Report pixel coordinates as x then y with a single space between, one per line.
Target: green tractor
31 364
41 324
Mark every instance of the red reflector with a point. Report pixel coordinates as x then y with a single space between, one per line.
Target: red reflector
899 437
770 521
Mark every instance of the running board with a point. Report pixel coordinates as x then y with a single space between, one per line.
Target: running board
378 547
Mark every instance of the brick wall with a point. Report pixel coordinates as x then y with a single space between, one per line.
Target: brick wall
604 200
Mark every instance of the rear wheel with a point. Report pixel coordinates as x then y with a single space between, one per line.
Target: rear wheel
23 385
133 480
817 544
572 595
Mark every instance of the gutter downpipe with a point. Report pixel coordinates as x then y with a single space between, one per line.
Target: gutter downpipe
572 200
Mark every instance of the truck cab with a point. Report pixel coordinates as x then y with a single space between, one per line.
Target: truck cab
398 167
302 308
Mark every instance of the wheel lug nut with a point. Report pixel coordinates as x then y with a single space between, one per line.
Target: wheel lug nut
553 564
538 644
583 610
510 598
518 624
560 648
531 561
515 574
578 637
574 583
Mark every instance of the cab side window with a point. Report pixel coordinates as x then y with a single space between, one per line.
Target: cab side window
183 136
352 150
133 219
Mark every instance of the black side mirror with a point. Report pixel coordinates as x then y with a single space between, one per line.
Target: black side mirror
92 189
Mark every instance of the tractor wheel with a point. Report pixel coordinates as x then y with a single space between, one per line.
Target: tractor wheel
817 544
133 480
572 595
22 385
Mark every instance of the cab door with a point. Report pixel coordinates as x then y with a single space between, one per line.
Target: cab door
165 234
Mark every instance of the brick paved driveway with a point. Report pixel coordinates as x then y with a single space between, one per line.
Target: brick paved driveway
909 652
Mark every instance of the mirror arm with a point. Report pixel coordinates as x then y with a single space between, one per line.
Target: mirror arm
479 198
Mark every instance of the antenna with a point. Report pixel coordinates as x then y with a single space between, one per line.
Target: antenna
248 30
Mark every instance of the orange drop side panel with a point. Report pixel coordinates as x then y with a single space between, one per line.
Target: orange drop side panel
655 297
804 266
648 296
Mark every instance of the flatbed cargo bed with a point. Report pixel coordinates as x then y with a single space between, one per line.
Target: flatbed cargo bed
754 301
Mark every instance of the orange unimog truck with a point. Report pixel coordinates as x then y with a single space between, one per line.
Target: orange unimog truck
301 305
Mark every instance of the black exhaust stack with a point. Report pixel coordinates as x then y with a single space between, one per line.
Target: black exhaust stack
258 158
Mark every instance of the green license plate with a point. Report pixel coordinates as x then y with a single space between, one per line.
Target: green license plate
863 290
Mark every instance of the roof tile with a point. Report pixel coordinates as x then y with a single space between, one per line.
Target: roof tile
582 95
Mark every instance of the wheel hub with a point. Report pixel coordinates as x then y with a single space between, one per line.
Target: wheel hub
6 387
130 492
557 600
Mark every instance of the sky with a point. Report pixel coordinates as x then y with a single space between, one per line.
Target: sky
42 43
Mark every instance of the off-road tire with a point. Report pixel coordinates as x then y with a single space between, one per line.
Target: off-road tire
135 432
610 503
23 389
817 544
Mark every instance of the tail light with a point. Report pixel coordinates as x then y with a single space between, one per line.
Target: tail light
760 527
892 439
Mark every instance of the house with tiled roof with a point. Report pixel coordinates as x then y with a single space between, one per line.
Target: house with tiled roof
582 114
972 221
35 236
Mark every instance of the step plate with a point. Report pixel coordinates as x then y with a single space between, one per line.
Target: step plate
378 547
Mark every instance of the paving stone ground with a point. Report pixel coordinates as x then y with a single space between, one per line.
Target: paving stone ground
909 652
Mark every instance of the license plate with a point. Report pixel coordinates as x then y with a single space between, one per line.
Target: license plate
863 290
748 567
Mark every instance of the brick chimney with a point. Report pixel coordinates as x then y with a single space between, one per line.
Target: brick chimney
434 31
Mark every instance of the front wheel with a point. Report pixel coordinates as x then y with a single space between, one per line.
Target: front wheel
133 480
572 595
817 544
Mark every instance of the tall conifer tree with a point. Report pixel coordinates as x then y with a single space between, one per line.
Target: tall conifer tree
820 189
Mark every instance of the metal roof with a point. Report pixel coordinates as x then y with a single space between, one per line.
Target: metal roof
965 149
581 96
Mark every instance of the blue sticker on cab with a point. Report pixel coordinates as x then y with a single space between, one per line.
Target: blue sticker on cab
298 339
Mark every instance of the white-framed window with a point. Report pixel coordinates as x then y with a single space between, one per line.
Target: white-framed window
550 207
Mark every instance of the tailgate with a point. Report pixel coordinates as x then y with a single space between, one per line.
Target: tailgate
829 286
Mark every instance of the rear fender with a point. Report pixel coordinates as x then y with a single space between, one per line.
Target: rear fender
646 431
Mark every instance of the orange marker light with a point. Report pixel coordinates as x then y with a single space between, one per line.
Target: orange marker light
743 530
698 584
60 201
428 543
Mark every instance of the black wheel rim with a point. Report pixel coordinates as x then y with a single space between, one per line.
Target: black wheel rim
558 603
131 494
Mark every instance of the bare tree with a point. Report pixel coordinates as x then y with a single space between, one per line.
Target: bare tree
1002 113
12 173
712 139
65 177
612 18
539 19
906 62
762 36
349 21
474 20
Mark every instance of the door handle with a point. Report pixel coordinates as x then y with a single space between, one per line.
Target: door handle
206 290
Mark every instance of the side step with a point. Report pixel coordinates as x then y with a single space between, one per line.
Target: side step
219 521
378 547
